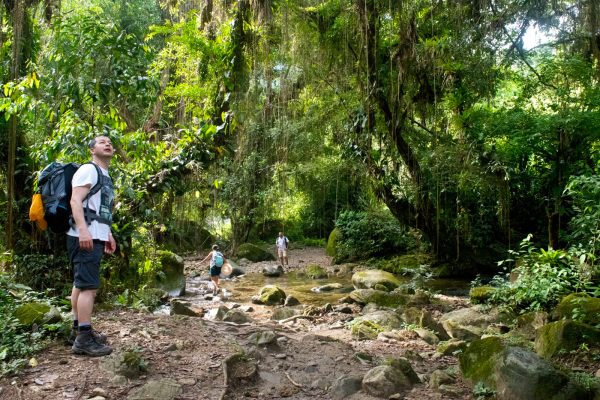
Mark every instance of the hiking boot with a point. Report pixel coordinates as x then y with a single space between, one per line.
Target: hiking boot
86 344
98 337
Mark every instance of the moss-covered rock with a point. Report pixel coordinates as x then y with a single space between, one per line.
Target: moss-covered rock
334 237
402 364
378 297
481 294
527 324
514 372
366 330
564 335
449 347
32 313
580 307
170 276
271 295
478 360
370 325
424 318
384 381
253 253
283 313
314 271
370 278
470 323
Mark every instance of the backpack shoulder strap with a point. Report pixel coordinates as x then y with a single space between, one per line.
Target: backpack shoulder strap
98 184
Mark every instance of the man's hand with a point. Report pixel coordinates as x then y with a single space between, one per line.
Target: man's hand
85 240
111 245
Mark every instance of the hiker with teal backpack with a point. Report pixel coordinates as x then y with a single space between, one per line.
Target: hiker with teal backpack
217 259
88 238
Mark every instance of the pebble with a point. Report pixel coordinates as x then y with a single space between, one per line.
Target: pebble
280 356
98 392
282 340
118 380
171 347
97 398
187 381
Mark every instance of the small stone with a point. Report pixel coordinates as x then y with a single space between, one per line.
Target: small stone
280 356
98 392
118 380
187 381
38 381
395 396
97 398
449 390
340 358
171 347
337 325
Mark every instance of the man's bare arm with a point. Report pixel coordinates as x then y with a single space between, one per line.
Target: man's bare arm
77 198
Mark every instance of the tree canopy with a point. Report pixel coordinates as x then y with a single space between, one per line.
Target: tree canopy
248 117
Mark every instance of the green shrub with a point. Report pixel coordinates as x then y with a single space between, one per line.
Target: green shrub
18 342
367 234
540 279
585 225
43 271
314 242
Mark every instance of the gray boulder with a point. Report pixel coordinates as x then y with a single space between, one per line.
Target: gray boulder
375 279
386 380
345 386
272 270
469 323
514 373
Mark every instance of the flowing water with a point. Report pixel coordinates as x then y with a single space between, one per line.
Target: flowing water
241 289
306 289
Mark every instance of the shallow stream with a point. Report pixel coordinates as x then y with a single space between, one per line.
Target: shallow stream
241 289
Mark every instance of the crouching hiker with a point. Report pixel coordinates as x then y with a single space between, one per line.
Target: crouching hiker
87 240
217 259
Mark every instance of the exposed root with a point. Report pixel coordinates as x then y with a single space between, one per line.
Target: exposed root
291 380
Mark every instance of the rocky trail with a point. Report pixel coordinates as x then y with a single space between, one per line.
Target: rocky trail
185 357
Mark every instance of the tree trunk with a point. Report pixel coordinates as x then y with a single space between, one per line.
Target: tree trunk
18 14
422 214
594 27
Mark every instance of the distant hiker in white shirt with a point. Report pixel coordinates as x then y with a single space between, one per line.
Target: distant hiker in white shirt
282 243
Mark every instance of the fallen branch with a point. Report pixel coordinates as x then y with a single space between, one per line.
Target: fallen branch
295 317
291 380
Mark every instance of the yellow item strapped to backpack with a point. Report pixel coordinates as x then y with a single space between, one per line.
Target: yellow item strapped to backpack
36 212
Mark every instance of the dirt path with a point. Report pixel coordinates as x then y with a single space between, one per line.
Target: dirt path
194 357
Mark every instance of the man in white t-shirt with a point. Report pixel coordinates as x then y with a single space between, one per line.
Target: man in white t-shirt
87 240
282 243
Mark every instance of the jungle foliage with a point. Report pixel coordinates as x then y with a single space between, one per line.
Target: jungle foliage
423 125
234 120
